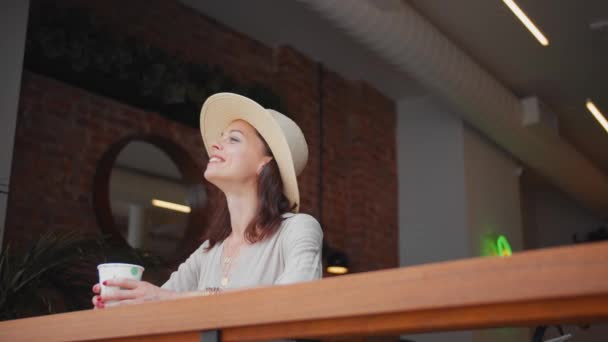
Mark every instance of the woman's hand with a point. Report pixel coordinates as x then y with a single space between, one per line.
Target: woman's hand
130 292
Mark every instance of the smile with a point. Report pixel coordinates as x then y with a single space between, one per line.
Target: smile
215 159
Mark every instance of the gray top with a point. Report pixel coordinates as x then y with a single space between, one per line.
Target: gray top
291 255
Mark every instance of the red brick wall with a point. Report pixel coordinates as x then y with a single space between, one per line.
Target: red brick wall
62 132
360 178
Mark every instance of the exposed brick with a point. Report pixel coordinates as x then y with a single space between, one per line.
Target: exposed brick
63 132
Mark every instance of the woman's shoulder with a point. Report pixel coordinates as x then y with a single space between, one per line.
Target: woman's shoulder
299 218
299 224
203 248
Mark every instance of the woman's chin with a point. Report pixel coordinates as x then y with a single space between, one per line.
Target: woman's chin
214 177
209 175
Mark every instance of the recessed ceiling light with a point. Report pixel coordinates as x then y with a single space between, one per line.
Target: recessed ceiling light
597 114
171 206
527 22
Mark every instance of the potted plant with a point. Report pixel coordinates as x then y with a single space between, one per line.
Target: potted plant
53 274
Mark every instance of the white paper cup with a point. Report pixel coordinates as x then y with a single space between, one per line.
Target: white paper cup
115 271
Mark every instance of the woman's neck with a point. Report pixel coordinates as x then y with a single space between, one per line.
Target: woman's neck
243 208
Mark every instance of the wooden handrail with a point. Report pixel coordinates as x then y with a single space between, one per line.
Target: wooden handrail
556 285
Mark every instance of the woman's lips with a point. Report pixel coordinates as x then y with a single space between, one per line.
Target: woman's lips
216 159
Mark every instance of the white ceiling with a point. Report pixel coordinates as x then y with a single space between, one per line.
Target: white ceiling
572 68
563 75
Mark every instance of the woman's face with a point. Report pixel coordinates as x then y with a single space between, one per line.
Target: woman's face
237 157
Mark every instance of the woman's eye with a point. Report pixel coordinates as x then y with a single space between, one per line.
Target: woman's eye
233 139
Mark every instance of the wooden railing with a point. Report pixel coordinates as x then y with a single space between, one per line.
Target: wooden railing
557 285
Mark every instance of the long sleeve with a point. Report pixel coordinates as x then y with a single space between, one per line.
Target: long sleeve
301 247
187 276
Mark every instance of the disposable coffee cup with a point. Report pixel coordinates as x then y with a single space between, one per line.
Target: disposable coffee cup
117 271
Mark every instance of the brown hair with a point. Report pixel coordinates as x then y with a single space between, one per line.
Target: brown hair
272 204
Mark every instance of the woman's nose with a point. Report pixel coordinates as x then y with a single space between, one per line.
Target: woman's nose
217 146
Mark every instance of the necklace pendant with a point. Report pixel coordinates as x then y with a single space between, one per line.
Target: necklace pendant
224 281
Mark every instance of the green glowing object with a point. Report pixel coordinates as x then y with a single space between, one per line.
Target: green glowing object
493 245
503 247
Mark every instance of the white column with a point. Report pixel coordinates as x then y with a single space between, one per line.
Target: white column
13 26
135 234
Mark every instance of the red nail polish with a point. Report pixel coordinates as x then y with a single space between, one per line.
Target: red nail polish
99 298
105 283
101 305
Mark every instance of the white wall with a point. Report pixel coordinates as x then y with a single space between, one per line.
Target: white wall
432 215
454 188
13 25
493 208
492 192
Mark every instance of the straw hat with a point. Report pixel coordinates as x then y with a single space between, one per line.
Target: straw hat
282 135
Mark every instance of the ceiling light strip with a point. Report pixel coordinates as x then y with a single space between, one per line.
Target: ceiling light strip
527 22
597 114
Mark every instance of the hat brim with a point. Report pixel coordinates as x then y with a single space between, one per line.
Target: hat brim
220 110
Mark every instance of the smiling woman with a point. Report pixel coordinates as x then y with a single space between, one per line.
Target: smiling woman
256 236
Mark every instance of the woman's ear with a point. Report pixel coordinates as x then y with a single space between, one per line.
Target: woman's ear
265 161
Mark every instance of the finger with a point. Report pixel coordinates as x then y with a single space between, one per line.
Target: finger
119 295
121 282
96 288
98 304
95 300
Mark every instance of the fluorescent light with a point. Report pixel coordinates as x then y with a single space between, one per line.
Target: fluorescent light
597 114
527 22
171 206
